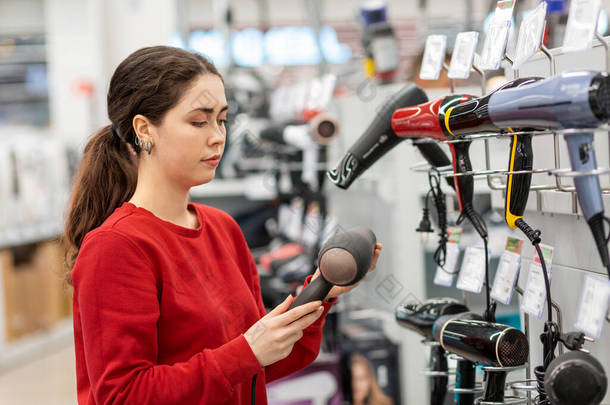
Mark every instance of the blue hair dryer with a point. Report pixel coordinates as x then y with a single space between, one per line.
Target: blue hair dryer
577 99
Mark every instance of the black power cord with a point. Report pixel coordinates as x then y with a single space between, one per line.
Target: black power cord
438 198
479 225
551 334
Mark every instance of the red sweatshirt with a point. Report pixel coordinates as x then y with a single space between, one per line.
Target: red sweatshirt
160 311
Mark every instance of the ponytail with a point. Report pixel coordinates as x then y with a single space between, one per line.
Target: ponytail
106 178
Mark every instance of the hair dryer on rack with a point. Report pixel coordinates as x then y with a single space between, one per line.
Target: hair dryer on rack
321 129
421 318
575 378
436 120
576 99
379 138
428 121
343 260
485 343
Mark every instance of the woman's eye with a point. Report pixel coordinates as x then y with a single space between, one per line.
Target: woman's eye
199 124
222 122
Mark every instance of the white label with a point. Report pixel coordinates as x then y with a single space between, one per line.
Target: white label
434 56
444 276
495 45
582 23
472 273
463 55
321 91
593 306
534 296
506 277
385 53
504 10
530 35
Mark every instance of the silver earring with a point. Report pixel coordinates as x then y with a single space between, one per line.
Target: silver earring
138 142
149 147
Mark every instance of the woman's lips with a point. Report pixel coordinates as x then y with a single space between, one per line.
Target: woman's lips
213 161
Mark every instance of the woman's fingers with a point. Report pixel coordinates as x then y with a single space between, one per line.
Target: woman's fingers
298 312
281 308
305 321
376 254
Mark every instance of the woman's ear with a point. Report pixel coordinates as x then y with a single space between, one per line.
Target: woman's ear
142 127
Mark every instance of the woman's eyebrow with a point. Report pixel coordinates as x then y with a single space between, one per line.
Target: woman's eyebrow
209 110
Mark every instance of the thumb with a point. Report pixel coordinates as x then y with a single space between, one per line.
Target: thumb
280 309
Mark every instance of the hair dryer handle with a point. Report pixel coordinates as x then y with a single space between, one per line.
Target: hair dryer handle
465 379
461 164
438 362
518 187
494 389
318 289
582 158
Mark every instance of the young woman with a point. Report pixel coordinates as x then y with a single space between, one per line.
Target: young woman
167 303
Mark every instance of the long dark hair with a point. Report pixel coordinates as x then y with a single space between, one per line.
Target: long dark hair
150 81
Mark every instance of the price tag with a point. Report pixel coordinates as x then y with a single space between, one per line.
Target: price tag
463 55
444 275
497 35
582 23
508 271
534 296
530 35
504 10
472 272
495 45
593 306
454 234
547 253
434 56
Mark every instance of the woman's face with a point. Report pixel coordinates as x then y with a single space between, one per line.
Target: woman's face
191 138
361 384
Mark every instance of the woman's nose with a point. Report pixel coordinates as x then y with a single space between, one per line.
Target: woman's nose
218 136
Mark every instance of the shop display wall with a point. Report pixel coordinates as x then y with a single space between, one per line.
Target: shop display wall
387 198
575 254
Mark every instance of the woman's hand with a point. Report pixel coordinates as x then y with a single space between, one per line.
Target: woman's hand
338 290
273 336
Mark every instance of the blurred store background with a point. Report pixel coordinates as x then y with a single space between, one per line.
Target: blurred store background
283 61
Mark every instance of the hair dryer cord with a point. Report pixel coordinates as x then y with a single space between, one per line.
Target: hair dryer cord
441 210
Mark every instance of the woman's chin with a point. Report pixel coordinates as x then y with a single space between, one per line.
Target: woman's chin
201 180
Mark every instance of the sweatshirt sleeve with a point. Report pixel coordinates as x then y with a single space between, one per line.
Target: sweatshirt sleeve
116 292
306 349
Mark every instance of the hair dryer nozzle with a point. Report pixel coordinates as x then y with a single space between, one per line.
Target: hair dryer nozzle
324 128
599 96
345 258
